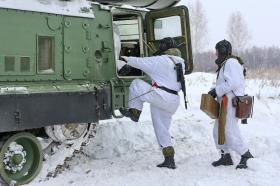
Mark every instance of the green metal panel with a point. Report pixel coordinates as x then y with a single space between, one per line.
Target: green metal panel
77 37
19 32
89 47
90 58
103 64
82 48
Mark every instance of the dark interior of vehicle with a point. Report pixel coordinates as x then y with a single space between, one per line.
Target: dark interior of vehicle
129 30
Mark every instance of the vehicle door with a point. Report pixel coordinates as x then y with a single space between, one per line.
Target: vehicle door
170 22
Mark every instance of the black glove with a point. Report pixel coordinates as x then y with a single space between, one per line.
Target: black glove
244 121
213 93
123 59
125 70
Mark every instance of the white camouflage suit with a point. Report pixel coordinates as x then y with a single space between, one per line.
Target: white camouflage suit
162 104
117 45
230 79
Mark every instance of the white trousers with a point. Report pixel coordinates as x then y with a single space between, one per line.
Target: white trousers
233 138
163 105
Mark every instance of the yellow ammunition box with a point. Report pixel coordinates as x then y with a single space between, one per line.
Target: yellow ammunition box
210 106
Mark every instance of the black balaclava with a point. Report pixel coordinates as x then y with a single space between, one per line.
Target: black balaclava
224 50
164 45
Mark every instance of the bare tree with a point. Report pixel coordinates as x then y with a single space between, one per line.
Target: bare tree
238 32
198 27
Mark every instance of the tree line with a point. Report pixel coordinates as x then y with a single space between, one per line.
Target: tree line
255 57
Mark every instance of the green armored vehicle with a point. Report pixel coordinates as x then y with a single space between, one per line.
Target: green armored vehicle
59 75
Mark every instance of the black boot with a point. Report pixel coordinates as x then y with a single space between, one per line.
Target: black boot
131 113
224 160
168 153
243 161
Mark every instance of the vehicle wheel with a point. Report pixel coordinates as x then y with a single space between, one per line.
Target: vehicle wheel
21 159
68 133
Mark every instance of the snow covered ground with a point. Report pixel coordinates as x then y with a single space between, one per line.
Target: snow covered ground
125 153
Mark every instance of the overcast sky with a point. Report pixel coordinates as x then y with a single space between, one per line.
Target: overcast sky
262 17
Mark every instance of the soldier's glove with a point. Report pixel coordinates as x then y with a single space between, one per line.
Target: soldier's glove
124 58
213 93
125 70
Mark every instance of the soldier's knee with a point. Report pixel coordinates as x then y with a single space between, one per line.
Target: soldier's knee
135 84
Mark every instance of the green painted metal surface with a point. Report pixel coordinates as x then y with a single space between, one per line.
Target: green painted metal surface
79 48
19 38
104 65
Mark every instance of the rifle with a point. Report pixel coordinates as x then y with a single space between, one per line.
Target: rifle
181 79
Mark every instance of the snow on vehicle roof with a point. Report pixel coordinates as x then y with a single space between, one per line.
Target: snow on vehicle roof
78 8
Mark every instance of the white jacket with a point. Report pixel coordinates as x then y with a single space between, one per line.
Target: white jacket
160 69
230 78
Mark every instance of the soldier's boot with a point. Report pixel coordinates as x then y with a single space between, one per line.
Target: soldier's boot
132 113
168 153
243 161
224 160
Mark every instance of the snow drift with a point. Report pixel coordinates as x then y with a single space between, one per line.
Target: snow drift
125 153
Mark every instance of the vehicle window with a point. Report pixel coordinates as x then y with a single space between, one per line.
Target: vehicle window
167 27
128 41
45 56
129 29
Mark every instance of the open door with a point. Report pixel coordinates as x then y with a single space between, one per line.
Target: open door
170 22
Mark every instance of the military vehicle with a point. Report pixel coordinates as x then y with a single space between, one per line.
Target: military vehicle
58 74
